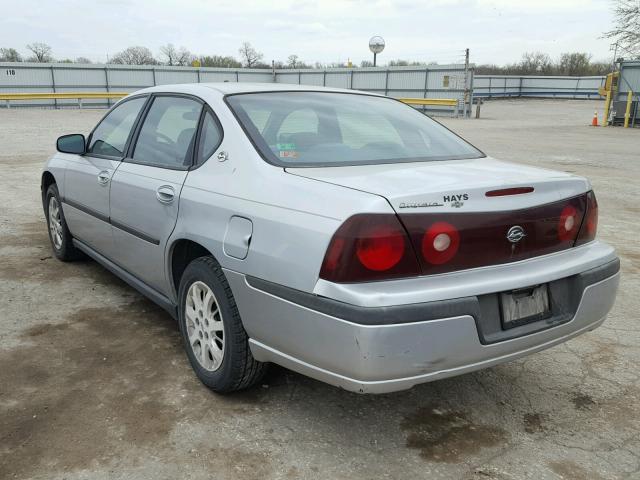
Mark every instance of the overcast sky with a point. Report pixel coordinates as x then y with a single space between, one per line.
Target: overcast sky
496 31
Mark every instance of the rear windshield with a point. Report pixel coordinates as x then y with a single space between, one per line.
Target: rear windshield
301 129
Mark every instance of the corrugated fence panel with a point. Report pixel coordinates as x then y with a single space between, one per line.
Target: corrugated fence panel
28 77
211 76
369 80
312 78
407 81
73 77
536 86
443 81
338 79
264 76
287 77
130 78
167 77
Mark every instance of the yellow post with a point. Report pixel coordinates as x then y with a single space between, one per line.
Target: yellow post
627 113
607 105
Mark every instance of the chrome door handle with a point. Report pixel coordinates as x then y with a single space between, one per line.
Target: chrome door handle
165 194
104 177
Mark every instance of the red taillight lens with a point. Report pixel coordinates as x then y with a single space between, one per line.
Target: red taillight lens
369 247
380 247
568 224
440 243
590 223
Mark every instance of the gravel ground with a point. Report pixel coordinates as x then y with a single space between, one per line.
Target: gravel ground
94 383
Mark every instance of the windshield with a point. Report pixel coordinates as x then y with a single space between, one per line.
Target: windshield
298 129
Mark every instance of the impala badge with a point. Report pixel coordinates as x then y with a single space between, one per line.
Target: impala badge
515 234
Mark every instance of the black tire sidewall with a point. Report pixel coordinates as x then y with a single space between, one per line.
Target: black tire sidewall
64 251
222 378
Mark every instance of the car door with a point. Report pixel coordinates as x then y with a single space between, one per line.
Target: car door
145 189
87 177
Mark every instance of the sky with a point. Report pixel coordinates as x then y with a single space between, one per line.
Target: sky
495 31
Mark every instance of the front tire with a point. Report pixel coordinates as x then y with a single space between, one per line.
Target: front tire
59 234
214 339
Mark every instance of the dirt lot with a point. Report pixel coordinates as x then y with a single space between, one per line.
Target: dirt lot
94 383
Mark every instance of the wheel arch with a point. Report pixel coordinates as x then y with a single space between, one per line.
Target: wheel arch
182 252
46 181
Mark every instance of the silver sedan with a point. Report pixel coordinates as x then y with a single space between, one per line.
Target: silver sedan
341 234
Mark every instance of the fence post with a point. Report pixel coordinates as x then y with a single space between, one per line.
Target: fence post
519 87
351 80
386 82
426 82
324 78
53 85
490 87
153 70
198 72
106 83
237 76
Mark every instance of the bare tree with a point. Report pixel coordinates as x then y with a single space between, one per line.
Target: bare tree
404 63
41 52
250 56
170 52
82 60
536 63
176 56
293 61
219 61
134 56
9 55
574 63
627 26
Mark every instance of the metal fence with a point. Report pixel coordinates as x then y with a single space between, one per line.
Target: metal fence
629 82
500 86
441 81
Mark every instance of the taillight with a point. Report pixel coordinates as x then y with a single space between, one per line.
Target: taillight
568 223
369 247
590 223
440 243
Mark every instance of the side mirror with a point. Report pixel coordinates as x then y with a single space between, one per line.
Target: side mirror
74 143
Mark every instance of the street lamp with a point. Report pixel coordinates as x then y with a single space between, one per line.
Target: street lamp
376 45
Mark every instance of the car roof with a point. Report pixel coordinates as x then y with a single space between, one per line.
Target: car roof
228 88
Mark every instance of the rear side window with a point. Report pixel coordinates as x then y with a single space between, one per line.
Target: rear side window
210 138
110 136
167 135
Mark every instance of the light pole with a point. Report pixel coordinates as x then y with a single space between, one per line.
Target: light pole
376 45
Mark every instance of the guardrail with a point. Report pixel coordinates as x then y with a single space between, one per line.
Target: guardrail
79 96
452 103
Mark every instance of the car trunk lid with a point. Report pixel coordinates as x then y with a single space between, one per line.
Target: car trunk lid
464 213
454 185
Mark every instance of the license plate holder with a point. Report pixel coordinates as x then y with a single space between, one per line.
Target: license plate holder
525 305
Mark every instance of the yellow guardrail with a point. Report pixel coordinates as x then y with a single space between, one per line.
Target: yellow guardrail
442 102
79 96
60 96
446 102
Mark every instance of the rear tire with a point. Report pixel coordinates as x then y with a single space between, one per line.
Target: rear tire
214 339
59 234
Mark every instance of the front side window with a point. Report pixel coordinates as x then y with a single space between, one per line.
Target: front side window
110 136
299 129
210 138
168 133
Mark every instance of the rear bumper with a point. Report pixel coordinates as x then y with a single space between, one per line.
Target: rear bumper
384 349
